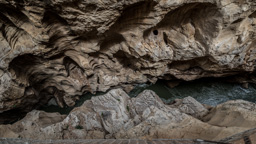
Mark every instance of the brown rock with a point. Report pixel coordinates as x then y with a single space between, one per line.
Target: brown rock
64 48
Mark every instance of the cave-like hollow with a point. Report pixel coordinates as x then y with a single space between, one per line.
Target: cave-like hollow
36 76
136 48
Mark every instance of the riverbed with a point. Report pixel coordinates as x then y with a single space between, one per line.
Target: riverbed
210 92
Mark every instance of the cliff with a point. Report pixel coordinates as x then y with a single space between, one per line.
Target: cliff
64 48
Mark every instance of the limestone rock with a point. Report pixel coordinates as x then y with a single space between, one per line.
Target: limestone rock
64 48
190 106
233 113
116 115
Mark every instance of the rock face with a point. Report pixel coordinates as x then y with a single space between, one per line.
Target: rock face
116 115
63 48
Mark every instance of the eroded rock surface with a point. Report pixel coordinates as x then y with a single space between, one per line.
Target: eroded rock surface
63 48
116 115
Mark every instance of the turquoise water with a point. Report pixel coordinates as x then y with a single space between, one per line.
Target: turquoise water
205 91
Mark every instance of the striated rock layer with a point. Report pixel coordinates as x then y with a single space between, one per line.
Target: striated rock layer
63 48
117 116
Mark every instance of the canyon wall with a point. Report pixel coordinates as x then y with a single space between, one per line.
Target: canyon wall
64 48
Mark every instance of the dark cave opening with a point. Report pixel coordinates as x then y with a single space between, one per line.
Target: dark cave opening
155 32
28 78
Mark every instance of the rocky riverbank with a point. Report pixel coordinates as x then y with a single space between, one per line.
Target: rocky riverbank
115 115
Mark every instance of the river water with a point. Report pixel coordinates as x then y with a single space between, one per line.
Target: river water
210 92
206 92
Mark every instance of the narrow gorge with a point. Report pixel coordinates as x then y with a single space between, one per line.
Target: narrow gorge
127 69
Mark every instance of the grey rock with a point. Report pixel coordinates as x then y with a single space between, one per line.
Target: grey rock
117 116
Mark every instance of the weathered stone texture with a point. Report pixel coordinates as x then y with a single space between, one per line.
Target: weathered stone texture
63 48
117 116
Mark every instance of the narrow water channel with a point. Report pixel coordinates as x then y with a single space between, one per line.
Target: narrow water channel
210 92
206 92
